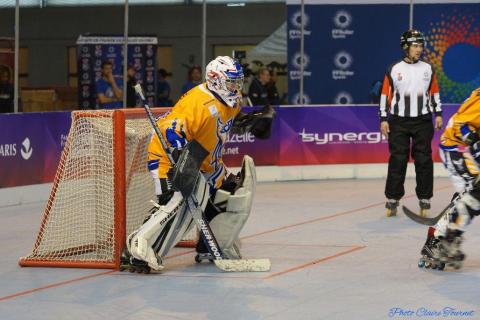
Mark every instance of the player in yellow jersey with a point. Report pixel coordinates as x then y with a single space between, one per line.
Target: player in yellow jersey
458 146
460 152
206 114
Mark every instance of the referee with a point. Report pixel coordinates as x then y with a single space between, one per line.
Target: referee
409 97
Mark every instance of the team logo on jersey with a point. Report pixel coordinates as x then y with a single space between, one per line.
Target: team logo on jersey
221 133
399 76
176 136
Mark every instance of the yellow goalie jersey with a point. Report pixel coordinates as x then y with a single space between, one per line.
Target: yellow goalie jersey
462 124
197 115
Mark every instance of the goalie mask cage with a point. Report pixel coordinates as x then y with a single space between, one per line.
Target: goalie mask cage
101 192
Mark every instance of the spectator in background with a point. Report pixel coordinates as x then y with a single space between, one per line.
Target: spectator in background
163 88
272 91
258 91
109 88
131 81
194 78
6 91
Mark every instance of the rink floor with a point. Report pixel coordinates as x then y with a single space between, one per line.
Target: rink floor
334 256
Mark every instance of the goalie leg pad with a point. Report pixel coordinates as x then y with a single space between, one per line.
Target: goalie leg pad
141 242
154 239
227 225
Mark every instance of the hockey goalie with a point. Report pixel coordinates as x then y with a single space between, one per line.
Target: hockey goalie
195 132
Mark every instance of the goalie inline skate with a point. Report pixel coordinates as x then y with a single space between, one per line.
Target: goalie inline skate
128 262
202 253
441 252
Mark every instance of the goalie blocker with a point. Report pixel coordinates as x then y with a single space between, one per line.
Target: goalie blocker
153 240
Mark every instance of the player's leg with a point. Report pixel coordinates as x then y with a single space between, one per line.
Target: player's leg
422 134
399 146
444 240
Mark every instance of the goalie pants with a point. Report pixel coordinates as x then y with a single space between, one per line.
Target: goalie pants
410 135
465 209
462 168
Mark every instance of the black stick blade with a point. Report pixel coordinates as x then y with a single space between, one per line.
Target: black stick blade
424 220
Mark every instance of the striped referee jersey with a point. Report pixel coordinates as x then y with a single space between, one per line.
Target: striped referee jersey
410 90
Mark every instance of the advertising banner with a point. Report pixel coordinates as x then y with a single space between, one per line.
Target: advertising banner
31 143
92 51
336 135
453 46
30 147
348 47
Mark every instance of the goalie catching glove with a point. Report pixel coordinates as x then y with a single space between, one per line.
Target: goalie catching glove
258 122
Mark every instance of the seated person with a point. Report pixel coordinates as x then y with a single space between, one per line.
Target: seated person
109 88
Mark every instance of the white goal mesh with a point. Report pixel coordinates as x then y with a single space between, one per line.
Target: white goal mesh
101 192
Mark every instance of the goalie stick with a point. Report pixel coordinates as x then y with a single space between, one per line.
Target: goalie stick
231 265
424 220
431 221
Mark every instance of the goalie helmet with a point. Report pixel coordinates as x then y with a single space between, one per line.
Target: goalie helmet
224 76
410 37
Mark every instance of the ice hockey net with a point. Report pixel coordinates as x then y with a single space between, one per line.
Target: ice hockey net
101 192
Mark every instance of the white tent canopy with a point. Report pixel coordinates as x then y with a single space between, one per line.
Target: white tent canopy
273 48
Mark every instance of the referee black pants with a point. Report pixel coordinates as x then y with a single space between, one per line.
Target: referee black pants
410 136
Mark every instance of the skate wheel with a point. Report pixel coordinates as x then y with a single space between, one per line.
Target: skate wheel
147 270
197 259
391 212
131 270
421 263
434 267
441 267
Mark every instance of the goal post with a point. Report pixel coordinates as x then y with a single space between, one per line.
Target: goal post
101 191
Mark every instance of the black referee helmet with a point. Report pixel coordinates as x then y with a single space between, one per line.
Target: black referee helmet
410 37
